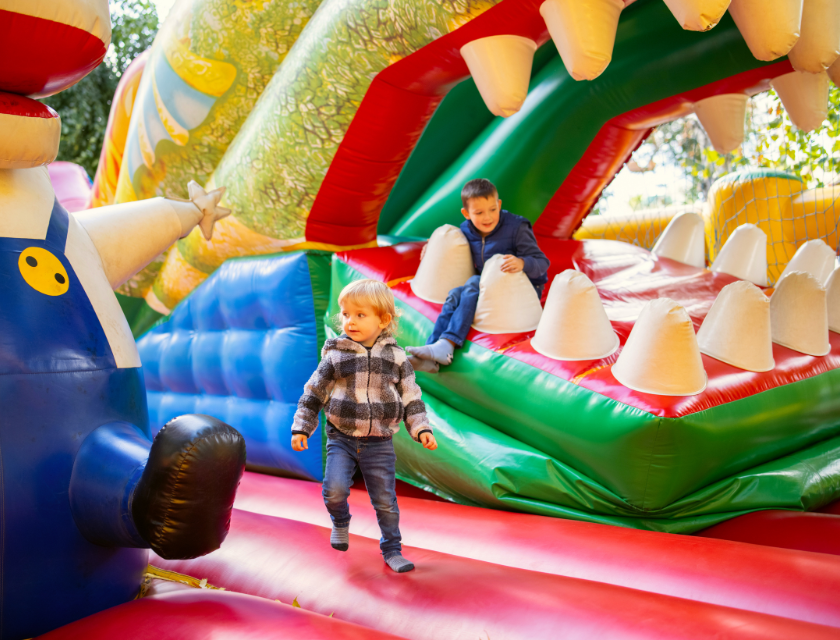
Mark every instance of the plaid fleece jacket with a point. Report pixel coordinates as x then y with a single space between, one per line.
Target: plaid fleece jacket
363 393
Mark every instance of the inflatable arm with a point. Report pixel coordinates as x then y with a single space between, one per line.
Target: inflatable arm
126 491
129 236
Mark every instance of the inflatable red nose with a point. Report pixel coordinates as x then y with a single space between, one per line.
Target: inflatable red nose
49 45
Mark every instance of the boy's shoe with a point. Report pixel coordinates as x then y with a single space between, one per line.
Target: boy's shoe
427 366
340 538
398 563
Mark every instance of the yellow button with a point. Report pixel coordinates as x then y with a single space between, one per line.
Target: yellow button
43 271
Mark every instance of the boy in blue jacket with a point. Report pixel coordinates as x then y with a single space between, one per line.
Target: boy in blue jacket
490 230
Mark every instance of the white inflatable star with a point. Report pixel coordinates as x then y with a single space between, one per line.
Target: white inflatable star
208 204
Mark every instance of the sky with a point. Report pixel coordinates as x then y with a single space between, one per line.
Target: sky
163 7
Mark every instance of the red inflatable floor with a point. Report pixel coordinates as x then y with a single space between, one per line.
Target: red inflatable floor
817 532
787 583
198 614
453 597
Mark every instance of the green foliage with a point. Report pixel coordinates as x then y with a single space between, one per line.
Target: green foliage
85 106
771 142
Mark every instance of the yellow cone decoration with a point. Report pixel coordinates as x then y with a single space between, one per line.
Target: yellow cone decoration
744 255
804 97
799 315
583 32
819 43
574 325
737 329
723 119
501 69
814 257
832 295
698 15
447 264
683 240
507 302
770 27
661 355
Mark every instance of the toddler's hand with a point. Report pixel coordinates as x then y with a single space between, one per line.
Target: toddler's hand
300 442
428 441
512 264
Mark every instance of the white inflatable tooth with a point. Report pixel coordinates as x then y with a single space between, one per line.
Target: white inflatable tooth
661 355
744 255
819 43
832 295
698 15
574 324
804 97
683 240
723 119
770 27
799 314
814 257
501 69
737 329
446 264
507 302
583 32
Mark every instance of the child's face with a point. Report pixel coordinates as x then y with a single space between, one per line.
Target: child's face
361 324
483 213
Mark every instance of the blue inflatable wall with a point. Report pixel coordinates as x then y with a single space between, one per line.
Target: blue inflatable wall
240 348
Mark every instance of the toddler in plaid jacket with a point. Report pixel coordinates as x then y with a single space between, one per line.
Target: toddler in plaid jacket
366 387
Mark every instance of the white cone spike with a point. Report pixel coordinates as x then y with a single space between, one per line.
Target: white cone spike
661 355
832 296
814 257
574 324
834 72
723 119
799 315
737 329
583 32
819 43
804 97
770 27
698 15
683 240
447 264
501 69
744 255
507 302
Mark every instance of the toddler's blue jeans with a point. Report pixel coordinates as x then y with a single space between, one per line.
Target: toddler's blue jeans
376 458
458 313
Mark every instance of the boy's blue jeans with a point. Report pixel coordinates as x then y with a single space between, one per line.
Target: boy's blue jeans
458 313
376 458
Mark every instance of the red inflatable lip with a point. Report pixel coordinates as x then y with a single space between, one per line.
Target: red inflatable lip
15 105
39 57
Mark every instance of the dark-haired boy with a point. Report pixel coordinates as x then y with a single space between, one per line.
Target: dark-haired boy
490 231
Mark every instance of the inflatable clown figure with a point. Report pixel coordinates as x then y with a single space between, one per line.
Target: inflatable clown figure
83 489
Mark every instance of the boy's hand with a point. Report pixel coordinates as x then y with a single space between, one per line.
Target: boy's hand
428 441
300 442
512 264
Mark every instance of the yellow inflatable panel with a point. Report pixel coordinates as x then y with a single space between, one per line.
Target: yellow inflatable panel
640 228
764 198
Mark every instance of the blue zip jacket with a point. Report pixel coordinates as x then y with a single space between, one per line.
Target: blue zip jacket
512 236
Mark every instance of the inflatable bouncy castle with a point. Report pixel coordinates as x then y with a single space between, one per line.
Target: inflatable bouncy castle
640 453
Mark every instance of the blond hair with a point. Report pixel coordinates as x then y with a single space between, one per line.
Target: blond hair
374 294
